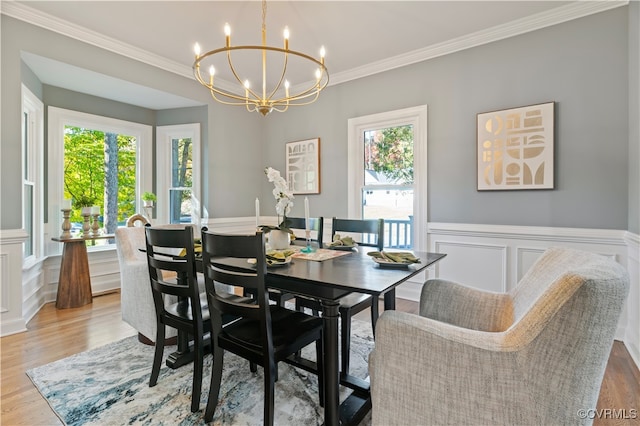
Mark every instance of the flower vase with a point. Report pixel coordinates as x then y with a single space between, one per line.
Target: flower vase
279 240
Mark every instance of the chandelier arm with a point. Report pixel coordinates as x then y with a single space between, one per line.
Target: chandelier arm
311 91
284 72
293 103
235 74
276 109
241 99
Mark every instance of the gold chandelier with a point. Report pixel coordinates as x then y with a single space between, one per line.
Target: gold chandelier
272 97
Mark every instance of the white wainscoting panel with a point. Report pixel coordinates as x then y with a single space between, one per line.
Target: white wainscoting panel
525 258
33 283
632 331
485 265
11 317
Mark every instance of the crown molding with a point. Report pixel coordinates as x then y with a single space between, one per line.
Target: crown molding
541 20
35 17
521 26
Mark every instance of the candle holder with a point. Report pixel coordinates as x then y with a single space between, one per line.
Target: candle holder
66 224
95 225
308 248
86 225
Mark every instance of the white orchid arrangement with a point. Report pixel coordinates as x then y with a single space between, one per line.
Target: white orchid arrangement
284 199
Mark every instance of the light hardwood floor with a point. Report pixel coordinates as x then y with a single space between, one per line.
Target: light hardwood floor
54 334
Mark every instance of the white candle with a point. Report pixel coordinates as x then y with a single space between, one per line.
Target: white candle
66 204
95 210
307 226
257 212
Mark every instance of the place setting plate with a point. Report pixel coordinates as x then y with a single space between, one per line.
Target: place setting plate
274 261
396 260
342 248
271 263
383 263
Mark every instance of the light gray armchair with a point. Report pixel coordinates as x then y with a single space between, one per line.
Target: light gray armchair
536 355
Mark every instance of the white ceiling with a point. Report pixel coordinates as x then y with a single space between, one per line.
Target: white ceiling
360 37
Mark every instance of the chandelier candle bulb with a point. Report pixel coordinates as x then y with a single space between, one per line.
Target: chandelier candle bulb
196 49
227 34
286 38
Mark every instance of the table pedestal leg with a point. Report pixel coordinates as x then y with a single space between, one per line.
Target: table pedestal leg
330 315
74 284
390 300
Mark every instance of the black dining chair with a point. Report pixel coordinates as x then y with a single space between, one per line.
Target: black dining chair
266 333
316 226
172 271
367 233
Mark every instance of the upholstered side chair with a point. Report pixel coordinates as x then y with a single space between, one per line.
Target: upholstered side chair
535 355
136 300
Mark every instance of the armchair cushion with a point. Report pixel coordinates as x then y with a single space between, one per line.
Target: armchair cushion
474 309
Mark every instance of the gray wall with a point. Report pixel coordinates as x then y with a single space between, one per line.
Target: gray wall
634 117
581 65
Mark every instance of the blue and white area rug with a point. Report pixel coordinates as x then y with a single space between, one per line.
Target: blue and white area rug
110 386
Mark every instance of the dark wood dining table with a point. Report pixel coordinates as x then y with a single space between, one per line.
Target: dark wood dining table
328 281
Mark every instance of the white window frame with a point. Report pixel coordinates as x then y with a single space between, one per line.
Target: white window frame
164 136
33 134
415 116
58 119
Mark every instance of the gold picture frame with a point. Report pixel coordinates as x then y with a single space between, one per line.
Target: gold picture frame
303 166
515 148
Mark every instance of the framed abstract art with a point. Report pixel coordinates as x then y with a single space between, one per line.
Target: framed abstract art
303 166
515 148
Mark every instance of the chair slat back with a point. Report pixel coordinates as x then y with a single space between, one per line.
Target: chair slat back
169 272
374 228
316 225
224 259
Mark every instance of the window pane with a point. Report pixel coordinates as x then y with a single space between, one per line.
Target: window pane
388 156
388 182
180 205
100 170
181 161
395 206
25 143
28 219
